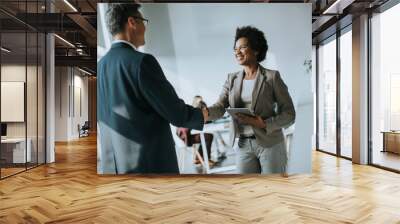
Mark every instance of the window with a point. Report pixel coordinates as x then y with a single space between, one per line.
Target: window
385 89
346 93
327 96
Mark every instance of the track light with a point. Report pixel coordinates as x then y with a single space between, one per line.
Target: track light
70 5
64 40
337 7
5 50
332 8
84 71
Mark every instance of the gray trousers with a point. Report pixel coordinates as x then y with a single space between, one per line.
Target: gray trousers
253 158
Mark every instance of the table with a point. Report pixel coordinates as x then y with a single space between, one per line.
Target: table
16 147
391 141
213 128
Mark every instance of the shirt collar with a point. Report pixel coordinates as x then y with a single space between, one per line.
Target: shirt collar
126 42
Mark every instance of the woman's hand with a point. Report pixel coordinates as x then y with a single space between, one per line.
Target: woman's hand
255 121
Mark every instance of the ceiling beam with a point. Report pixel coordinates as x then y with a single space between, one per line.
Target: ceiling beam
88 29
83 61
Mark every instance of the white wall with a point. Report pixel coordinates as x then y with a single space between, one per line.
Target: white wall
17 73
33 126
14 72
61 103
80 83
68 83
194 45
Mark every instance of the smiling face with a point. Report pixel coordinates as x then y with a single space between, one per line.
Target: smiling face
243 53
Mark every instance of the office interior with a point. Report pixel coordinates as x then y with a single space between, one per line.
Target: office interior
338 86
198 64
48 83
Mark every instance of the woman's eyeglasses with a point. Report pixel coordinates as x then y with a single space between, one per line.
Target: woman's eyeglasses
240 48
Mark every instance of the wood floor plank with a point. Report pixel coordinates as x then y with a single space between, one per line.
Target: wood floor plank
70 191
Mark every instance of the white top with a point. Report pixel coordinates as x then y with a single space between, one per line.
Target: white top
247 90
246 97
126 42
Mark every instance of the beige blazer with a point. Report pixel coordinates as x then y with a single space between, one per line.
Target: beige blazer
270 100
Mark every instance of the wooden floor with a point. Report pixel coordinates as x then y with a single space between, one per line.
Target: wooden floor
70 191
10 171
387 159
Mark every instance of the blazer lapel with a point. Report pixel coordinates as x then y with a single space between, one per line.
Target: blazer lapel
237 88
257 86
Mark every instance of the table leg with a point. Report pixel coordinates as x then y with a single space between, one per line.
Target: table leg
215 139
197 155
182 159
204 148
384 142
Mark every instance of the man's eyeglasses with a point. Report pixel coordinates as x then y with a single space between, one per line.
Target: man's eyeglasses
145 21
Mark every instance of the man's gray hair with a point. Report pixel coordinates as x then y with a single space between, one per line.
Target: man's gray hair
117 16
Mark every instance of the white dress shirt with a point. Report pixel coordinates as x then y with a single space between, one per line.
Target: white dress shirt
126 42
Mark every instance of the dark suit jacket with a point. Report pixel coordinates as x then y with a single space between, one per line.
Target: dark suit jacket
135 105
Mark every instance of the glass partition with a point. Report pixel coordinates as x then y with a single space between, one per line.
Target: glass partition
31 100
41 96
14 145
327 96
22 89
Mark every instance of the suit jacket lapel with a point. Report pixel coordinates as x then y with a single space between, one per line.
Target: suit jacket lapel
237 88
257 86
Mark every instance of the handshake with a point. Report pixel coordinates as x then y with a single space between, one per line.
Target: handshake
199 103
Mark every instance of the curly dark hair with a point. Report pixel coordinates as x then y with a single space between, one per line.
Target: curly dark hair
256 40
117 15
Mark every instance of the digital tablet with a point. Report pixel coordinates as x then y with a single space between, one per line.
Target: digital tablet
234 111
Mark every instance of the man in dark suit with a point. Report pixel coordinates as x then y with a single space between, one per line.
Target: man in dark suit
136 103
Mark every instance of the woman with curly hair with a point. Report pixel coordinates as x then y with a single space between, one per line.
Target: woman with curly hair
262 147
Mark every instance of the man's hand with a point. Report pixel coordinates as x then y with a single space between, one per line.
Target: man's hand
205 114
255 121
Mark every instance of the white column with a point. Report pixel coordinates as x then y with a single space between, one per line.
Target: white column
50 94
360 90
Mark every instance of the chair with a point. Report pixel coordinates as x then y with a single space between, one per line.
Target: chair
84 130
